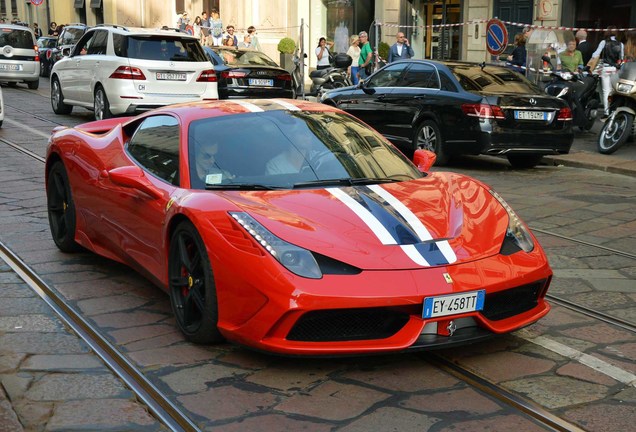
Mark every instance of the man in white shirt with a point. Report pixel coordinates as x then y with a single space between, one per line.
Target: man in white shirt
401 50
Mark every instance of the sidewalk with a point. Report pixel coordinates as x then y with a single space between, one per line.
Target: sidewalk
584 154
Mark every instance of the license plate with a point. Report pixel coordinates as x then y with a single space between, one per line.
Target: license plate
454 304
171 76
531 115
11 67
261 82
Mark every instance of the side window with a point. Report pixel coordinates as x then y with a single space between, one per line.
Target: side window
387 77
120 45
421 75
97 44
155 145
447 83
84 43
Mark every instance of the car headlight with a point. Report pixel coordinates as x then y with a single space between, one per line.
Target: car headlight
624 88
295 259
517 235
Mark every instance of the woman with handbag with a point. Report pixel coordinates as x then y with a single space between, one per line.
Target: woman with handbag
322 53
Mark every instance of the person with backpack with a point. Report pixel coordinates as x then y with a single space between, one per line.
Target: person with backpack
610 53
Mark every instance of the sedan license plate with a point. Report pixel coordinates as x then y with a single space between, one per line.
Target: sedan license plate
454 304
531 115
171 76
261 82
11 67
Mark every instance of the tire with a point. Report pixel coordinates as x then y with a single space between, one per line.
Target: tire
524 161
61 209
191 286
427 136
615 132
591 113
101 106
33 85
57 98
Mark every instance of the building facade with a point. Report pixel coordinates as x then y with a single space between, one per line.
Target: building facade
462 35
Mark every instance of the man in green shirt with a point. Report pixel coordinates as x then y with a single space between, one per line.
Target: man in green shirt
366 55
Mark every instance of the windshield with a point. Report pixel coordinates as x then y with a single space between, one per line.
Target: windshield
16 38
46 43
71 35
290 149
491 79
245 58
161 48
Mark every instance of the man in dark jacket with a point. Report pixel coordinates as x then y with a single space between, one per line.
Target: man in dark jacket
401 50
584 46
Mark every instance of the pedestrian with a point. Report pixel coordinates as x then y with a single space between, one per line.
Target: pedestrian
230 34
205 26
609 55
37 30
365 62
196 27
254 44
630 46
400 50
216 28
584 46
571 59
519 54
52 28
183 21
354 53
322 54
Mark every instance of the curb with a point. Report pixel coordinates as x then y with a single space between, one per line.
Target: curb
596 161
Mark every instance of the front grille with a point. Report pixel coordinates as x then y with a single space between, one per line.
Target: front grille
348 324
510 302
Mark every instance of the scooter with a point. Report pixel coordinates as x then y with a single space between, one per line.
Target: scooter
333 77
620 124
579 90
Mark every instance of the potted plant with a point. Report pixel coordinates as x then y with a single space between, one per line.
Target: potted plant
286 47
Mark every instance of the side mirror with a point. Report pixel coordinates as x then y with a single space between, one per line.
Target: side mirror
133 177
424 159
66 52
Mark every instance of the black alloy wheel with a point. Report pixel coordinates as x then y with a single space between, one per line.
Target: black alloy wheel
192 288
615 132
61 209
428 137
57 99
524 161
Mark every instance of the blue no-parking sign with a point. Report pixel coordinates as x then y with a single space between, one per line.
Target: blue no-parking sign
496 36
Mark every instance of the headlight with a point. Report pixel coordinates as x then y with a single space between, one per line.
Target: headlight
517 235
565 75
624 88
295 259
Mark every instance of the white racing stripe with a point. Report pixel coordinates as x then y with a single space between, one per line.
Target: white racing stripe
599 365
286 104
415 255
415 223
371 221
249 106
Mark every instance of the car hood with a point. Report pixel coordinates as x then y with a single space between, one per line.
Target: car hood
439 220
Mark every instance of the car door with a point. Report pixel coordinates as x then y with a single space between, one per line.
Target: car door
132 219
70 70
89 59
367 101
416 92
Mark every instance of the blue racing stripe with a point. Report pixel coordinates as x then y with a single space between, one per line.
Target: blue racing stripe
431 253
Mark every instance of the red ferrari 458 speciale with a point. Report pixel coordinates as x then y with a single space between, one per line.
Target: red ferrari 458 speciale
293 227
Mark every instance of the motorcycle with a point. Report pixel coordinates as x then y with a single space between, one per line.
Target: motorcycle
620 124
333 77
579 90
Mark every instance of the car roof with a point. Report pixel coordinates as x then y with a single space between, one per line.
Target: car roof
16 27
143 31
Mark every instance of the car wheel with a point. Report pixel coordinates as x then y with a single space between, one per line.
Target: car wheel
57 99
192 288
101 106
61 209
33 85
524 161
615 132
428 137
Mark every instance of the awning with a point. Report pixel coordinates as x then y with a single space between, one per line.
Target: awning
96 4
78 4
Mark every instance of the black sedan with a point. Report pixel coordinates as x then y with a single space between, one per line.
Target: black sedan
245 73
455 108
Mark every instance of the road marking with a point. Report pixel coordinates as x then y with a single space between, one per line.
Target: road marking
599 365
21 125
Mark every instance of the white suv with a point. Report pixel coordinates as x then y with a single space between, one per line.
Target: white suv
116 70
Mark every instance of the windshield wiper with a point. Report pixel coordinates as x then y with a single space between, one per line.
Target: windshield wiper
240 186
344 182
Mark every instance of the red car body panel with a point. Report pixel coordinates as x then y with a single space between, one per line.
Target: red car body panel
259 300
